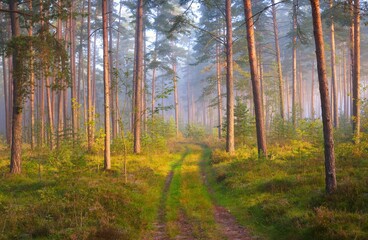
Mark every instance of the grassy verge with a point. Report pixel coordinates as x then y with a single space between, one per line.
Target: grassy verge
65 195
283 197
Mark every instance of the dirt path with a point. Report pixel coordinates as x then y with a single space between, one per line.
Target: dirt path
160 225
226 223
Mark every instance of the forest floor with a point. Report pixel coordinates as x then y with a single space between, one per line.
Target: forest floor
185 191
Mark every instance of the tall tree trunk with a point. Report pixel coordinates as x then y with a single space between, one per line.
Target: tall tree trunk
138 78
32 84
60 91
230 142
295 25
356 72
256 85
90 120
325 101
74 101
278 59
16 146
219 97
107 160
333 71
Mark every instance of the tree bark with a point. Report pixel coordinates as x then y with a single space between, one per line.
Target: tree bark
74 101
107 160
256 85
325 101
356 72
230 142
219 96
295 25
16 146
90 120
333 70
138 78
278 59
176 100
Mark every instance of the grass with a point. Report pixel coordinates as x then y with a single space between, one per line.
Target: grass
283 197
189 200
65 195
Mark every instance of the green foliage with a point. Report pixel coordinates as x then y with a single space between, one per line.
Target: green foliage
194 131
244 123
42 54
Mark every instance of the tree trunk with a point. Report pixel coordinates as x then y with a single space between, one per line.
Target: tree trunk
325 101
333 70
256 85
219 96
295 25
278 59
74 101
356 72
176 100
230 144
90 120
107 161
138 78
50 112
16 146
312 93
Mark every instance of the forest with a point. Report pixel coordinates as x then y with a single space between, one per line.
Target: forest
183 119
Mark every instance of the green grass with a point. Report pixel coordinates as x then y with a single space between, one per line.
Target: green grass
65 195
284 198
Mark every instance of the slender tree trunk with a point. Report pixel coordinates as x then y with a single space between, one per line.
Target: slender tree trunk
74 101
295 25
176 100
138 78
90 120
107 161
312 93
333 70
6 99
325 101
346 99
230 142
219 96
351 75
278 58
256 85
16 146
32 84
356 72
50 112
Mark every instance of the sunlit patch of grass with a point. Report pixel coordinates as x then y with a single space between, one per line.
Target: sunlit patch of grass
65 194
283 197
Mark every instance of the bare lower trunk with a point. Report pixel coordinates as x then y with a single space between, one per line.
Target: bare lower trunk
230 142
219 97
333 70
256 85
107 160
293 110
16 146
325 101
176 100
138 78
278 58
356 72
90 121
50 112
